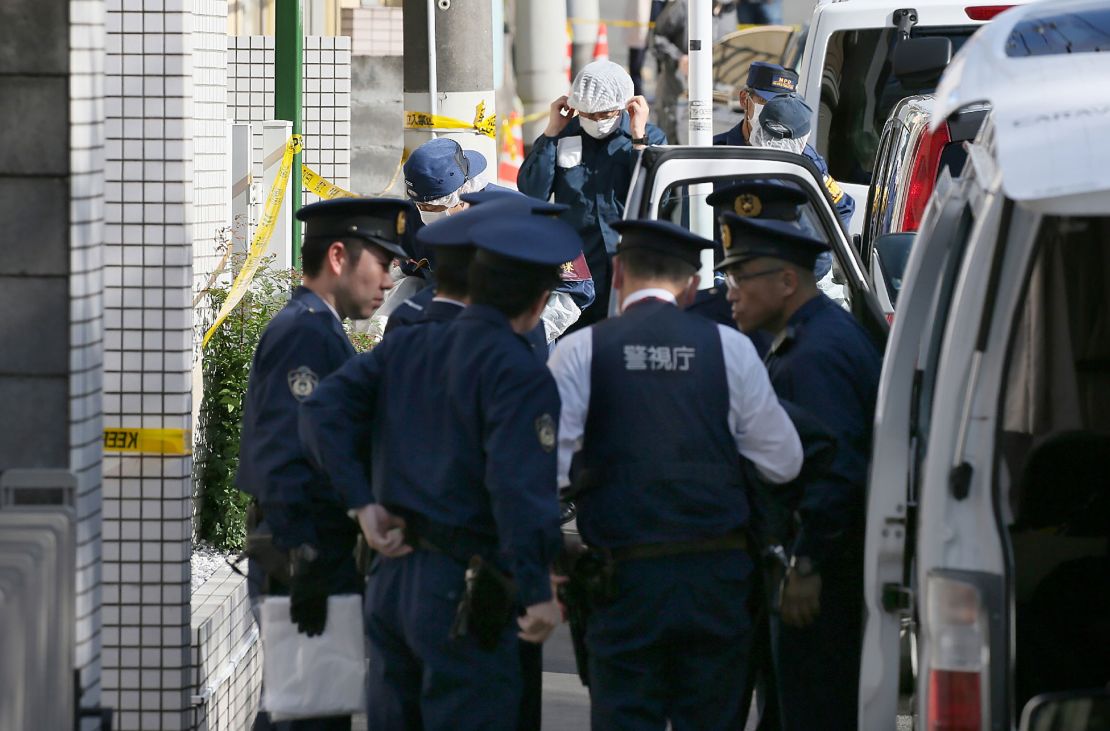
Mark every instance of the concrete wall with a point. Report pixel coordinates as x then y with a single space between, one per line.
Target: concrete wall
377 116
52 207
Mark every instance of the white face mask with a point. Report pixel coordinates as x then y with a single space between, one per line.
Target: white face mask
753 120
432 216
599 130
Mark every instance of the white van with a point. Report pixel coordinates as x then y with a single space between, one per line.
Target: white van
847 72
988 528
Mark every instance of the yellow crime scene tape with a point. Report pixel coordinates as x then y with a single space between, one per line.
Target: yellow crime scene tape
148 441
317 184
613 23
261 237
482 124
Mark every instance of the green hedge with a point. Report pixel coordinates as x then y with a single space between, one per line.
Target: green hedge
227 361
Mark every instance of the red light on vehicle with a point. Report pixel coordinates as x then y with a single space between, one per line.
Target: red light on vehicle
923 177
954 701
986 12
890 318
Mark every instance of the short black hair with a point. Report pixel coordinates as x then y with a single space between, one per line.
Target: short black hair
647 264
452 270
315 248
509 285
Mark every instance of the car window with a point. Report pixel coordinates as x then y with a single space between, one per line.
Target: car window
1051 33
858 91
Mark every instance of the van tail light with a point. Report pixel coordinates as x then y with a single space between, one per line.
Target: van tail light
986 12
959 656
923 176
890 318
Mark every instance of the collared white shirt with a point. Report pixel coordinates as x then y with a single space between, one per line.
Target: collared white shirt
760 427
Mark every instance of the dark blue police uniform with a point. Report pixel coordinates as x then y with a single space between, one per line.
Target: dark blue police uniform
594 187
661 400
474 389
825 363
303 344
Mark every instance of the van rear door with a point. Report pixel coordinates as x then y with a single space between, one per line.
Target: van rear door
902 419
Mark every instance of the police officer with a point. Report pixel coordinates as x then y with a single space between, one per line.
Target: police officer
585 158
481 504
346 255
664 403
452 245
574 293
767 81
824 362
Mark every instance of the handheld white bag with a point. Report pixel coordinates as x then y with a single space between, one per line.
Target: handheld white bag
312 677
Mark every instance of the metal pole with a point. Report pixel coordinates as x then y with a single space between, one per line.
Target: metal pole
700 13
460 33
585 14
433 102
288 73
538 42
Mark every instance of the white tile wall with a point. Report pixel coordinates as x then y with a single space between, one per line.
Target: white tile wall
327 100
374 31
148 279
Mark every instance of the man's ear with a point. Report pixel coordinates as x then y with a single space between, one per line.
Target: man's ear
688 295
618 273
336 257
790 280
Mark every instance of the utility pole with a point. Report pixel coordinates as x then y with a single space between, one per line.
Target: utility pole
288 98
538 41
585 15
700 92
449 70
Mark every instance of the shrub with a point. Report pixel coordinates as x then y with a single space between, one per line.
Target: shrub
227 362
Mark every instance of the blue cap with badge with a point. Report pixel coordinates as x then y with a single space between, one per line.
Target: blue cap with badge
753 238
661 237
456 230
541 240
760 199
439 167
387 222
786 117
769 80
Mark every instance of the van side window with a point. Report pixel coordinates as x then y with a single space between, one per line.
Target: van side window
858 91
1053 470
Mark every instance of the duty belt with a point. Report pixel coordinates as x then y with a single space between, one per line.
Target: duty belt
457 542
727 542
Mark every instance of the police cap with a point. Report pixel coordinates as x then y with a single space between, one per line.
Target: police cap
661 237
786 117
490 194
760 199
381 221
455 230
769 79
751 238
527 238
439 167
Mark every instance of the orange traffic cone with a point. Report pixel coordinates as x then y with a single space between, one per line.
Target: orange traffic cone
570 52
601 48
512 150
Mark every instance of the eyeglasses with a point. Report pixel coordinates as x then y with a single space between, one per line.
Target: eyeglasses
734 280
598 116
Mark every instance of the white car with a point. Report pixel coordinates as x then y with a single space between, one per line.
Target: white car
988 519
847 73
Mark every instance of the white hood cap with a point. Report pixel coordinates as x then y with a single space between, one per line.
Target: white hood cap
601 86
